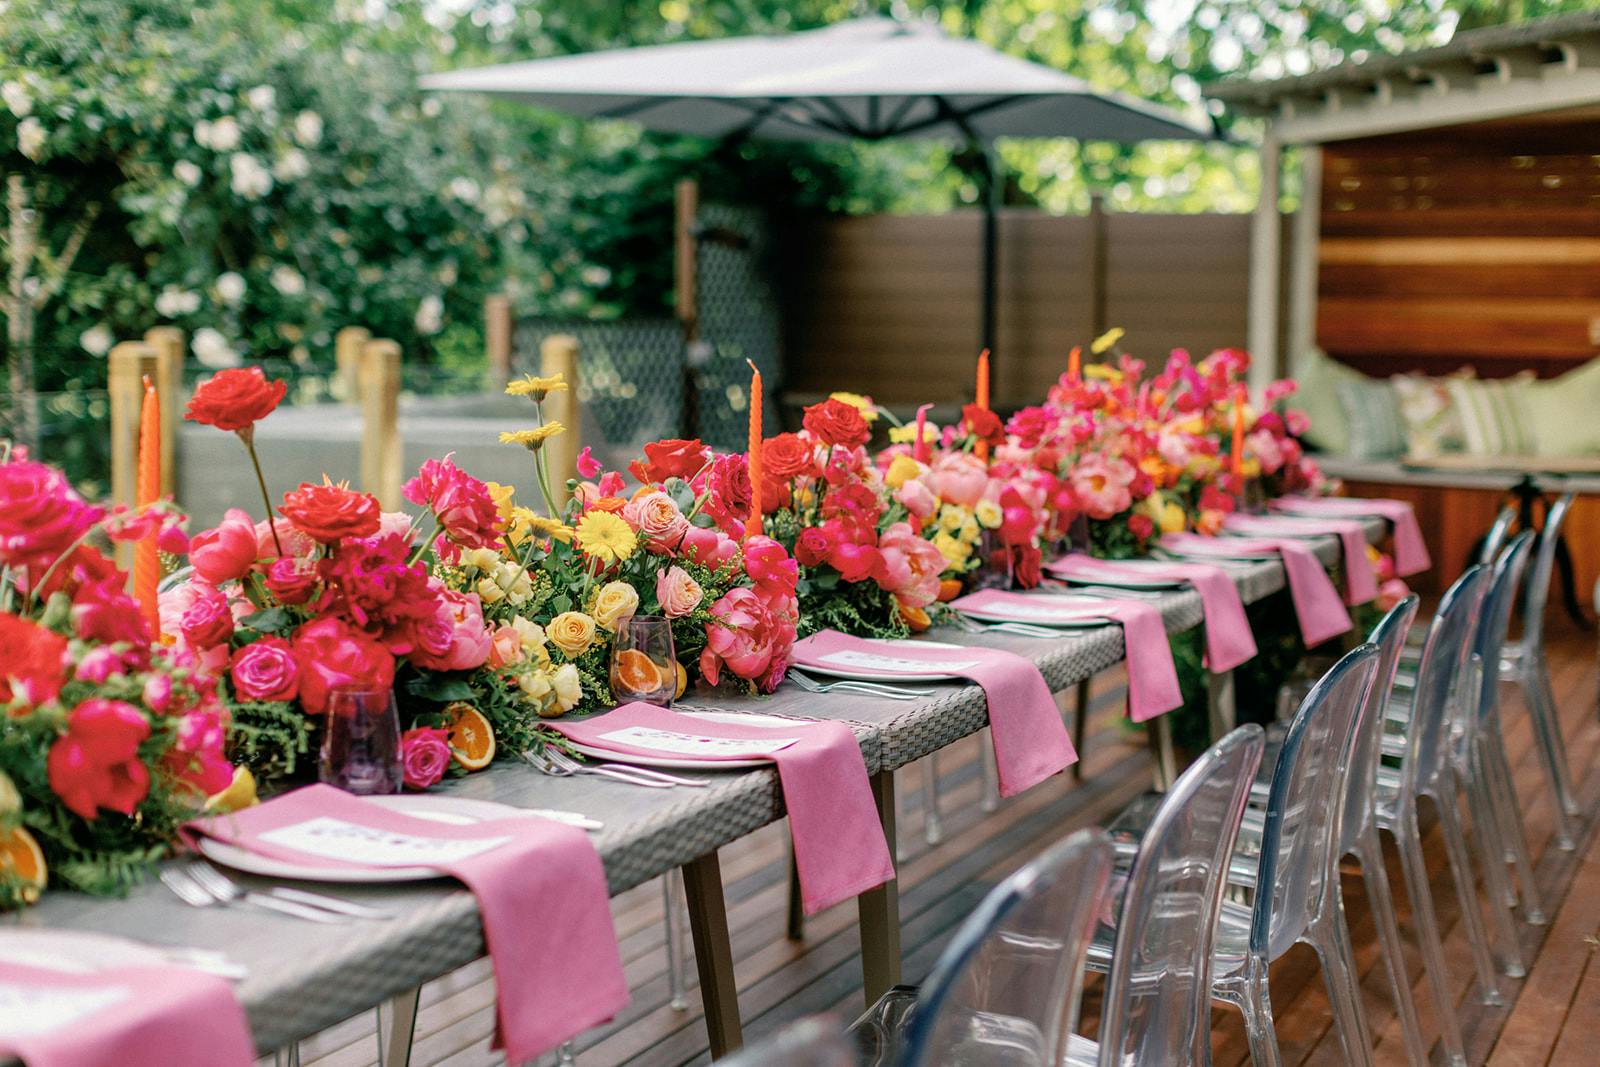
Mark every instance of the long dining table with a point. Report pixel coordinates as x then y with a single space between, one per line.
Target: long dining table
304 977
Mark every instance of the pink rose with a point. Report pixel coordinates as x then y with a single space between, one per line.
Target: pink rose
292 580
678 593
296 542
469 640
505 646
424 755
208 622
660 524
227 551
767 563
41 515
265 670
331 654
811 548
959 478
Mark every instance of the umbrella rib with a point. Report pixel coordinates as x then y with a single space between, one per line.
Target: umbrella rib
634 107
961 119
892 126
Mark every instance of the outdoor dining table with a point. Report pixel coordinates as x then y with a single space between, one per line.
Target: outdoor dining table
304 977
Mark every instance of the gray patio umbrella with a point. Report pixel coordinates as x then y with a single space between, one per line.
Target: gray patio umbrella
867 79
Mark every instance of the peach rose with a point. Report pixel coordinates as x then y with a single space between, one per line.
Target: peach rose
505 646
678 593
657 518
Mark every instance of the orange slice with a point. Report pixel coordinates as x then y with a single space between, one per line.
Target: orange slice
683 680
916 618
21 855
471 736
633 671
949 589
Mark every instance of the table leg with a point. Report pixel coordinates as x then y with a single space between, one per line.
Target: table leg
796 928
1221 704
397 1023
713 953
1080 728
880 910
1166 768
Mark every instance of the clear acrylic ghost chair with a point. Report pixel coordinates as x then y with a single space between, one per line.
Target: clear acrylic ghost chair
1494 539
1428 768
1523 662
1004 993
1156 1008
818 1041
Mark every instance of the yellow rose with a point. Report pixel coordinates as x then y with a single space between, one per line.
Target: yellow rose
901 470
484 559
535 685
970 530
514 580
489 591
617 601
954 551
572 632
568 687
989 515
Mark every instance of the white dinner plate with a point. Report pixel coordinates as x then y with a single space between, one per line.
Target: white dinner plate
678 763
457 811
867 674
1119 580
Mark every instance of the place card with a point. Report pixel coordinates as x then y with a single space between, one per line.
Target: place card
1073 612
337 839
32 1009
876 661
695 744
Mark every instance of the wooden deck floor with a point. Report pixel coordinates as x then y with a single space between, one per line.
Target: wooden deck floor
1550 1017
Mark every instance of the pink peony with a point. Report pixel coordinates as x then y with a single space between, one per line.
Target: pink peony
424 755
334 654
656 517
911 566
747 638
265 670
41 515
470 641
677 592
227 550
1101 484
461 503
856 563
96 763
959 478
917 498
709 547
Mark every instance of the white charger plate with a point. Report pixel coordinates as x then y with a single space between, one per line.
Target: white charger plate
1000 614
456 811
683 763
867 674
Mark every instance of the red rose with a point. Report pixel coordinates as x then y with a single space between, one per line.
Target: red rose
292 581
329 512
787 456
833 422
265 670
235 399
227 551
983 424
96 763
207 622
672 458
32 661
331 654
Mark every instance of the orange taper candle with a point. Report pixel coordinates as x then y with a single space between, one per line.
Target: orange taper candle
1236 453
1075 363
983 397
146 563
754 459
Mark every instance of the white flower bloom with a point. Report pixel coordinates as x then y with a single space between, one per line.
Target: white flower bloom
463 189
250 179
223 135
430 315
595 275
213 350
173 302
291 165
448 273
308 128
261 98
287 280
230 287
30 138
431 107
16 98
96 340
186 172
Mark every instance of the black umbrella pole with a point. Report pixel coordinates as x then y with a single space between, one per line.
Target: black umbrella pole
991 249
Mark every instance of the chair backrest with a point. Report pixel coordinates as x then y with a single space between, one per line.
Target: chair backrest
817 1041
1157 1005
1360 780
1305 804
1441 676
1495 538
1495 620
1544 563
1008 984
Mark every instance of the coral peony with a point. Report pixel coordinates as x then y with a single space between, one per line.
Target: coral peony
767 563
910 566
235 399
959 478
746 638
96 763
1102 485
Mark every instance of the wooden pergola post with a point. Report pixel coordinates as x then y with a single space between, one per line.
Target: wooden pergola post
497 327
558 354
168 344
381 455
1303 263
1265 239
347 346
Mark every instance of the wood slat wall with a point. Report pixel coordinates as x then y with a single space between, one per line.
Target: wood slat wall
1480 248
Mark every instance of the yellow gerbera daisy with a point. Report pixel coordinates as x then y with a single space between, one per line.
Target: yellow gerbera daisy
863 404
537 388
502 496
525 521
606 537
534 438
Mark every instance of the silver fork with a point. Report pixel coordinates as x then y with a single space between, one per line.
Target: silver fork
850 685
188 885
545 761
211 878
625 768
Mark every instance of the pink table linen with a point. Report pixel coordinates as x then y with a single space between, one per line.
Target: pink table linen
1410 550
839 847
1360 579
1229 641
1031 742
155 1016
1152 677
1317 605
540 888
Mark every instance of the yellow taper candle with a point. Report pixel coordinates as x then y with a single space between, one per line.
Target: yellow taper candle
753 527
146 562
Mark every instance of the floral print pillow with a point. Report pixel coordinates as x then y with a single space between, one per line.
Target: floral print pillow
1432 422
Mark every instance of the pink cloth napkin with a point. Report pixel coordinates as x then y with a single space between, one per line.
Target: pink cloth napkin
540 887
1030 741
1317 605
156 1016
1229 641
1152 676
839 847
1360 580
1410 550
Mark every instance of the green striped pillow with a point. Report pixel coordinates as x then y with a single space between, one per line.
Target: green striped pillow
1494 413
1372 416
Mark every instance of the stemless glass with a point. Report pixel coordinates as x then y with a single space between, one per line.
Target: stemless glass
644 665
361 741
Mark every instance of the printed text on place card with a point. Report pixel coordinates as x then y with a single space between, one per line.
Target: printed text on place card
35 1009
695 744
1042 611
874 661
340 840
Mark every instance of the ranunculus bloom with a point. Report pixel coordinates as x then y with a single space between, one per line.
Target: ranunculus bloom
235 399
265 670
959 478
329 512
677 592
615 602
291 580
833 422
767 563
208 622
226 551
788 456
1101 484
910 566
462 504
572 632
41 515
424 756
332 653
33 661
656 517
747 639
672 458
469 637
96 763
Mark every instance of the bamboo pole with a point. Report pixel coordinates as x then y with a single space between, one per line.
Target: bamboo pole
497 329
347 346
380 428
129 362
168 343
558 354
